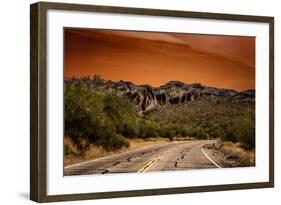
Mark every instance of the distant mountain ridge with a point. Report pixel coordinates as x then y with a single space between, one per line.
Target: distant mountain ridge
147 98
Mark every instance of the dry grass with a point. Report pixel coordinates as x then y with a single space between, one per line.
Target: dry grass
183 138
74 155
234 152
139 143
70 148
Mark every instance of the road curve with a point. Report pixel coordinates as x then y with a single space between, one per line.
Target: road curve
160 157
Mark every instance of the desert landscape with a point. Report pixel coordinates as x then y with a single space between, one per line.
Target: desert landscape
143 101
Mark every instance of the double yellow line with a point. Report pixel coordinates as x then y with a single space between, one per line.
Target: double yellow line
150 164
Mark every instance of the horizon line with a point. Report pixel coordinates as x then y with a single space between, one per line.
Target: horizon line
128 81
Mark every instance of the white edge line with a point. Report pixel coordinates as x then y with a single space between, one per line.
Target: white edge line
210 158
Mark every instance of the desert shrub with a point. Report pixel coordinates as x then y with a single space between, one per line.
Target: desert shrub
230 134
243 130
116 142
81 104
130 128
172 130
148 129
246 133
122 113
167 131
96 117
102 130
180 131
195 132
200 133
70 147
189 132
217 132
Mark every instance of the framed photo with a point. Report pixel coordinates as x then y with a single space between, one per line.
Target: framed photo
135 102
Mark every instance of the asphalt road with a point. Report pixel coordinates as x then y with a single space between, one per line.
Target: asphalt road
160 157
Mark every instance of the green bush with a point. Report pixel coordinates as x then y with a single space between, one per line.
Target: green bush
217 132
123 114
100 118
81 105
242 130
167 131
148 129
117 142
230 134
245 131
189 132
198 133
172 130
93 115
102 130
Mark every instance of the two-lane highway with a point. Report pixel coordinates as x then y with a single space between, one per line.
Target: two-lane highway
160 157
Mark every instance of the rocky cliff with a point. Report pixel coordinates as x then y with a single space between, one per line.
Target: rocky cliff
172 93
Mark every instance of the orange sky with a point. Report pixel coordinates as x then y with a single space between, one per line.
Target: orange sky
156 58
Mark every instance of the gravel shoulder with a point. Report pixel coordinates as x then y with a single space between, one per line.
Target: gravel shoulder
228 154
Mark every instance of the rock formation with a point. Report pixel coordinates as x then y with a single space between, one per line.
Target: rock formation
172 93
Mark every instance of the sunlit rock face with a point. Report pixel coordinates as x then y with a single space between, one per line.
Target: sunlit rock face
147 98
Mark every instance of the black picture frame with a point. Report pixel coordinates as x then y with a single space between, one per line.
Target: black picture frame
38 100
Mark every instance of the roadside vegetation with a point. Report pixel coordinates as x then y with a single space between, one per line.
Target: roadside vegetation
219 119
231 154
98 122
232 123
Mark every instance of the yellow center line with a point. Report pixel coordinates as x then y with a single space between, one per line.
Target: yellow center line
150 164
